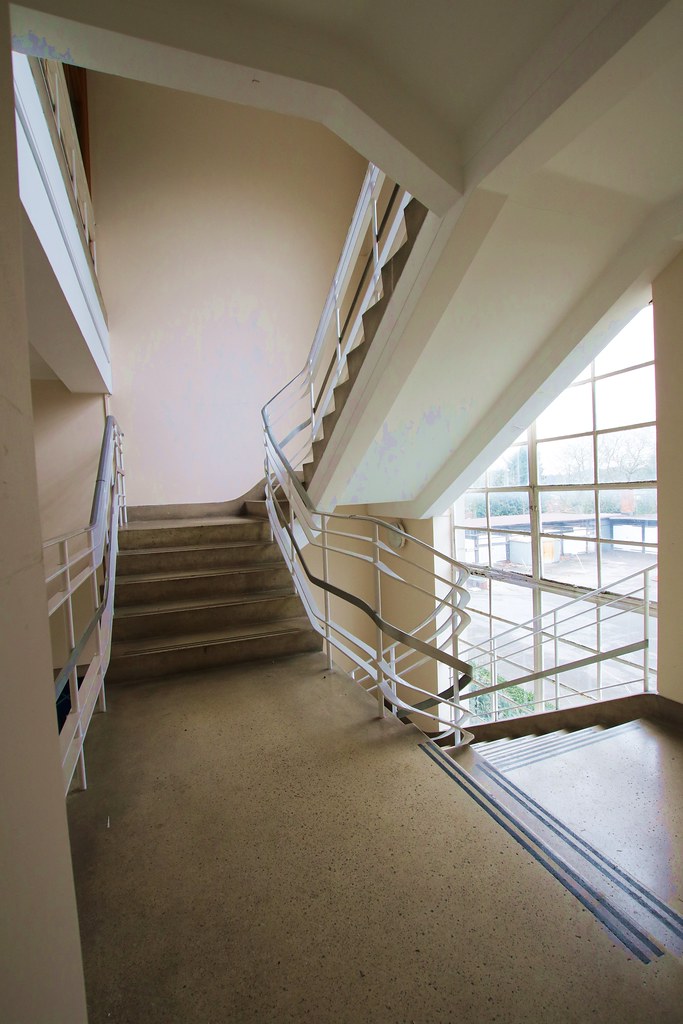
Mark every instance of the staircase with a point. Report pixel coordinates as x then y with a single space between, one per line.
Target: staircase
200 593
587 805
414 216
510 754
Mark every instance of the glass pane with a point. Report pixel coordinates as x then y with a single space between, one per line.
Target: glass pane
621 680
619 626
626 455
584 375
476 635
510 511
470 509
629 515
479 590
511 601
570 512
566 462
620 560
472 546
511 552
633 345
569 561
577 632
511 469
627 398
571 413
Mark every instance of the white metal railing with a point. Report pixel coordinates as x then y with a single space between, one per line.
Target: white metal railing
292 420
563 651
77 564
60 104
387 658
377 228
359 541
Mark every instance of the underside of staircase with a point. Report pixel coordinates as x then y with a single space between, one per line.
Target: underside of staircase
414 217
196 593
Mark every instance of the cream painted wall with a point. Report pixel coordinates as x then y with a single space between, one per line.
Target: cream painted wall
401 607
41 974
219 228
68 435
350 574
667 296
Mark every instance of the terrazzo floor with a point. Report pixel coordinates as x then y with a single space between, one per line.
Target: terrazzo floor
257 846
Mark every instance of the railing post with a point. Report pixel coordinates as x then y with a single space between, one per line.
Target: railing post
556 656
326 598
118 467
375 246
337 313
494 679
392 665
379 638
101 698
73 678
312 397
646 630
291 532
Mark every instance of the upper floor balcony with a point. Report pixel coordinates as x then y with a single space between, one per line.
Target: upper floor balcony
67 319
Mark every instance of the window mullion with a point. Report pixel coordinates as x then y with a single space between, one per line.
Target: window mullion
535 531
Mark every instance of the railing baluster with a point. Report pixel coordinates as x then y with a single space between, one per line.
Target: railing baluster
100 549
494 677
326 599
379 638
646 630
73 676
556 657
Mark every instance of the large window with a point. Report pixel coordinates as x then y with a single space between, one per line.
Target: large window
574 499
569 508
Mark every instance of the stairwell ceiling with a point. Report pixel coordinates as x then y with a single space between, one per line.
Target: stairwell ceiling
454 55
404 84
546 134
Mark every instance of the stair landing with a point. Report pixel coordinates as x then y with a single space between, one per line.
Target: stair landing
256 845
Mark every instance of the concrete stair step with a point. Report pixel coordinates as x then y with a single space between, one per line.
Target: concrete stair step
372 318
195 651
259 510
195 557
392 270
188 532
355 359
517 752
179 585
414 215
174 617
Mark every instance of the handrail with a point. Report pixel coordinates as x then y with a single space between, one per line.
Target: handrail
52 73
312 525
303 531
606 592
300 528
95 557
554 642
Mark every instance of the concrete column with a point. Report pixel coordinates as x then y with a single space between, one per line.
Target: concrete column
41 974
667 294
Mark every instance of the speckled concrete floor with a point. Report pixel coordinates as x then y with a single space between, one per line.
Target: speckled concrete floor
256 846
